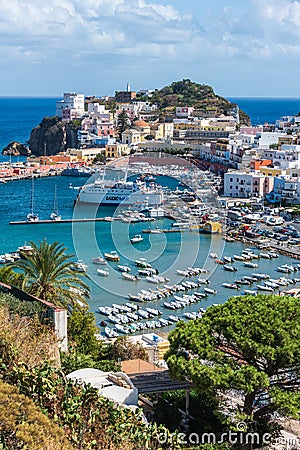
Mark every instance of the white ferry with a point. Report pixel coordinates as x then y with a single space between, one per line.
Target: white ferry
109 192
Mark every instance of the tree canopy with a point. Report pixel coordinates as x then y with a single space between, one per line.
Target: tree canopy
246 351
123 122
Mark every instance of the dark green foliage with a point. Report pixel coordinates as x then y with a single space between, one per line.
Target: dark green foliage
123 122
89 421
73 360
201 408
248 344
22 308
82 330
10 277
124 349
189 93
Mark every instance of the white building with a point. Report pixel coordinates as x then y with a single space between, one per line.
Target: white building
286 158
115 386
72 106
265 139
96 108
245 185
184 111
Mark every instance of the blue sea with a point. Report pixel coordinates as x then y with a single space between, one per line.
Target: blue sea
88 240
267 110
19 115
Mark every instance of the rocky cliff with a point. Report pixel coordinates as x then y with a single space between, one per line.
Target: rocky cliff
15 149
53 135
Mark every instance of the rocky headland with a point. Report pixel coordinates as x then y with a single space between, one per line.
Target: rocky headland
16 149
53 135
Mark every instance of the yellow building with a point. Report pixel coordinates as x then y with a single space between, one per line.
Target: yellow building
211 227
270 171
116 150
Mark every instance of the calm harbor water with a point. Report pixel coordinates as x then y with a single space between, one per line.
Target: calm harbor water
166 252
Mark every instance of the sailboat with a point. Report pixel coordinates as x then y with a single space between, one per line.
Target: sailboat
32 217
54 215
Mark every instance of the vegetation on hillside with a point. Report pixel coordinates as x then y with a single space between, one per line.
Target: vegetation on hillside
189 93
40 408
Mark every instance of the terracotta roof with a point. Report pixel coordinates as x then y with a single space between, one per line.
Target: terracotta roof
140 123
138 366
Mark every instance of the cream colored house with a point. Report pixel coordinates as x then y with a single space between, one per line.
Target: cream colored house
131 136
162 131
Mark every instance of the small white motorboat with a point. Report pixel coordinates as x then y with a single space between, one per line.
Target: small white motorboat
102 272
263 287
239 258
110 333
250 264
229 267
129 277
230 285
137 238
250 292
210 291
124 268
79 266
99 260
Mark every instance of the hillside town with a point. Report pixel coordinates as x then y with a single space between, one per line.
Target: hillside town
254 161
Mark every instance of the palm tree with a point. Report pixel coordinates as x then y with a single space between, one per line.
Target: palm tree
10 277
48 274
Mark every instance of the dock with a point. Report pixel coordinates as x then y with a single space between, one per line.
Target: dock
41 222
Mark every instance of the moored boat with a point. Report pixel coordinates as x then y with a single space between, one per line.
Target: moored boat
230 268
102 272
230 285
129 277
137 238
210 291
112 256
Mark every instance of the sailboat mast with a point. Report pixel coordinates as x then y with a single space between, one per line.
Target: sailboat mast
32 196
55 205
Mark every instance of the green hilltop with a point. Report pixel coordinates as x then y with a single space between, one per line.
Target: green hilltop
199 96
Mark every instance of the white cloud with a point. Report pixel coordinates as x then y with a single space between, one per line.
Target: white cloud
67 34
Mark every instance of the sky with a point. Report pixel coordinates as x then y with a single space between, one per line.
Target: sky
242 48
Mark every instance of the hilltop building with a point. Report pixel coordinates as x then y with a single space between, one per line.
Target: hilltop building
71 107
125 96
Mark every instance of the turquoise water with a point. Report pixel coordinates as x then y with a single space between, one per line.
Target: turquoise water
167 252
